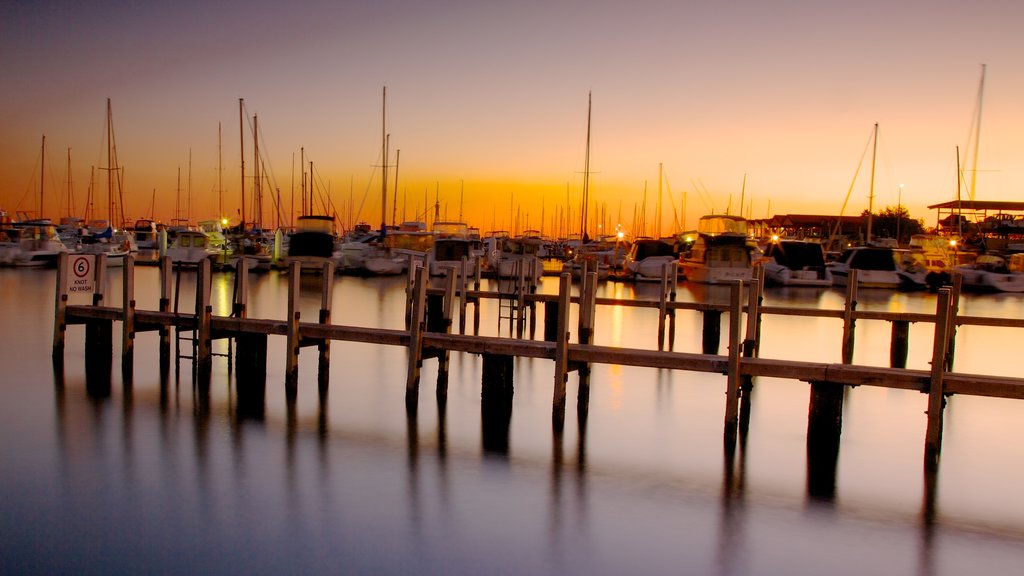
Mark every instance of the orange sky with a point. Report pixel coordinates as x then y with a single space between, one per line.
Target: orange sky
487 102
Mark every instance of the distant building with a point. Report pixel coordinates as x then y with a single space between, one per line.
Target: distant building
818 226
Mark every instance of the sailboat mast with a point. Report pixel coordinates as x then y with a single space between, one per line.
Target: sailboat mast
257 205
241 148
977 136
871 191
42 174
384 162
220 172
394 197
586 176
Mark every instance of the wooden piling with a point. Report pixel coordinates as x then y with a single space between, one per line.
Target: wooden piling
291 372
711 332
204 311
663 305
673 282
849 322
60 310
732 393
128 318
561 351
324 344
824 428
755 291
416 328
936 398
954 311
165 306
496 401
463 299
900 343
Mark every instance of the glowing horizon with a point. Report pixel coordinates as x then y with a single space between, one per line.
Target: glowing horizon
487 105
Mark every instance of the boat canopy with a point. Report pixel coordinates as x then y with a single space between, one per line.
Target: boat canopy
715 224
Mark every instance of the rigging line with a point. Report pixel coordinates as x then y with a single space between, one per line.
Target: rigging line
849 191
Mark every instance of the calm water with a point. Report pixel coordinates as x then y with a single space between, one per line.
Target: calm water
155 478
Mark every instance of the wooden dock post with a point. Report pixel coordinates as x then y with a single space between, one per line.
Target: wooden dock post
324 345
496 401
416 327
60 310
463 299
755 292
99 339
447 311
711 332
849 322
936 397
732 392
673 283
128 317
824 428
551 321
561 351
204 311
165 306
954 311
291 370
663 304
900 343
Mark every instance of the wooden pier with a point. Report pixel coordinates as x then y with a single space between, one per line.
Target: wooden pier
428 335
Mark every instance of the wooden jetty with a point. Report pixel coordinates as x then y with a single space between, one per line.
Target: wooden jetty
428 334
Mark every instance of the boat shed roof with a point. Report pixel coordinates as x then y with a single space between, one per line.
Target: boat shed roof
997 205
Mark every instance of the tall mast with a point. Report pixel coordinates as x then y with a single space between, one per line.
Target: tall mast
586 177
871 191
241 149
384 162
394 198
71 193
257 207
42 173
110 166
220 173
977 136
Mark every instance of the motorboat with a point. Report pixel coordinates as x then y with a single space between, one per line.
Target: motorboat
722 251
793 262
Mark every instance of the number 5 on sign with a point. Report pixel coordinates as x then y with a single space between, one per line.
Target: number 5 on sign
82 279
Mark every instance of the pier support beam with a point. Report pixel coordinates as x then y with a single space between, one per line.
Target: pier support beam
291 366
324 346
60 312
416 327
849 322
561 352
824 427
204 311
165 306
711 332
128 324
936 396
496 402
251 374
732 393
900 344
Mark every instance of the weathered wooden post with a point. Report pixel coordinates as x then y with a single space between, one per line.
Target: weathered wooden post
824 428
751 342
496 395
416 328
711 332
954 311
551 321
463 289
291 371
732 392
444 355
128 316
250 356
849 322
673 283
324 345
165 306
900 343
663 305
99 345
60 310
561 351
204 311
936 397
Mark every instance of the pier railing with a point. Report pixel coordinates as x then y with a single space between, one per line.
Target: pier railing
428 334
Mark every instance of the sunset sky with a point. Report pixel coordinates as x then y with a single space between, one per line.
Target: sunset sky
487 102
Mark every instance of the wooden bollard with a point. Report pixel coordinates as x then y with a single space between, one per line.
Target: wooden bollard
561 352
711 333
496 401
849 321
900 343
936 396
291 371
128 317
824 427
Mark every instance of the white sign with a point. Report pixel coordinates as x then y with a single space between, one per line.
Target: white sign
82 279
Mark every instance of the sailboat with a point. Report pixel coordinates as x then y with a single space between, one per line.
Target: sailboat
100 236
31 241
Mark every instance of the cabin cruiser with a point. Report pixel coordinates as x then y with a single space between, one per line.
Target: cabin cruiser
647 258
792 262
721 253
